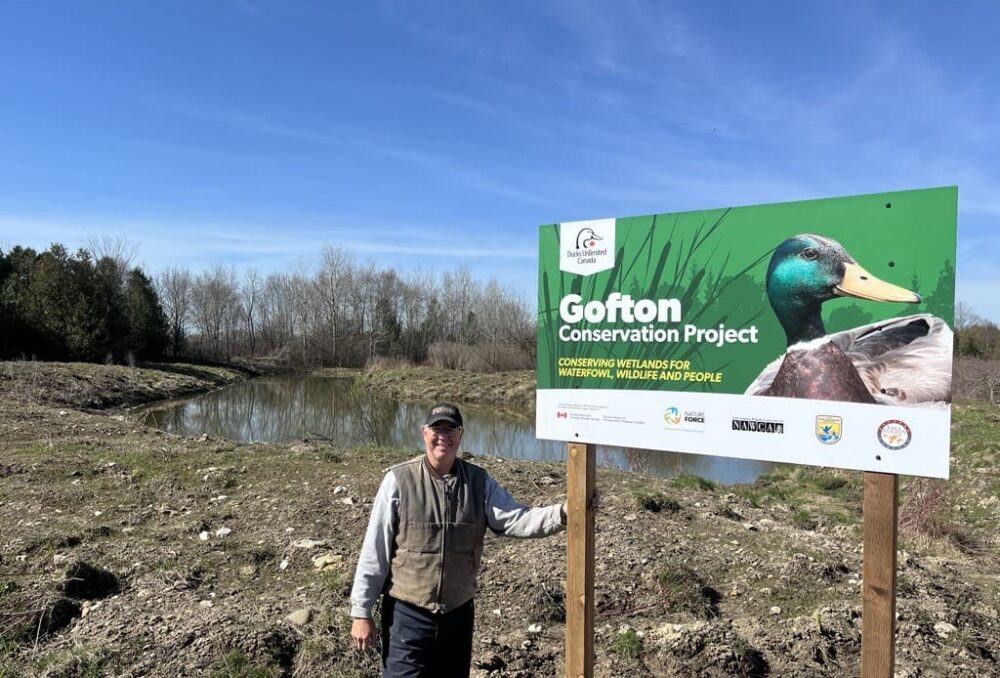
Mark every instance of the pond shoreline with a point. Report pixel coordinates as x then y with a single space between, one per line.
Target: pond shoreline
339 407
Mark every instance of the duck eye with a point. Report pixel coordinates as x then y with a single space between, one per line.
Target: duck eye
809 253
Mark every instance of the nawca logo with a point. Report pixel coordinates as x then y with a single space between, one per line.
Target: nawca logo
672 416
587 247
829 429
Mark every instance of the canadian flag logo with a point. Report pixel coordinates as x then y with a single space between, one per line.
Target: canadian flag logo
561 415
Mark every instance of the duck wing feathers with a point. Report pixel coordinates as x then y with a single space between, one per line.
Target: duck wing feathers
903 361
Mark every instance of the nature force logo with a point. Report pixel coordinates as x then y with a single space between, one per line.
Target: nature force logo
683 420
829 429
587 247
894 434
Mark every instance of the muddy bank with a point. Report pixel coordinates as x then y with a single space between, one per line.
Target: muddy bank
87 386
210 558
508 390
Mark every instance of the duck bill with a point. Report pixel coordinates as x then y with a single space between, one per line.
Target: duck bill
860 283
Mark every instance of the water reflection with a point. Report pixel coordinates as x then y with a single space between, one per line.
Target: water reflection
292 408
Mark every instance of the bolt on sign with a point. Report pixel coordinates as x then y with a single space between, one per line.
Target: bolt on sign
814 332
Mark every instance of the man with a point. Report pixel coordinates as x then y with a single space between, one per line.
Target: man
423 549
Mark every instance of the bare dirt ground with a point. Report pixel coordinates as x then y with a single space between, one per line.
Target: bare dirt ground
126 551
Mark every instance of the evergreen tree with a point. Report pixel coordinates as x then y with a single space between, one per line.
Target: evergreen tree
48 298
148 331
87 336
109 301
17 336
941 302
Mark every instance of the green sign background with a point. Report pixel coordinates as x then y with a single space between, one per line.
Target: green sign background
715 262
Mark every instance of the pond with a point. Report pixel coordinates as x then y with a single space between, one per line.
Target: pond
275 409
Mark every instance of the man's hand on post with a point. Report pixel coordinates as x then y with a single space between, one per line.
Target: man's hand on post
363 633
594 503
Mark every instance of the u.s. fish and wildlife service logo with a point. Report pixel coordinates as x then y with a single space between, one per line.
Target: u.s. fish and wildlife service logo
894 434
829 429
587 247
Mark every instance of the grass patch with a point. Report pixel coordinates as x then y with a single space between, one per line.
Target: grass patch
548 604
746 660
683 590
76 662
656 502
767 489
726 511
235 664
627 644
838 517
331 456
8 646
7 587
803 520
830 483
337 582
687 481
262 554
326 649
925 511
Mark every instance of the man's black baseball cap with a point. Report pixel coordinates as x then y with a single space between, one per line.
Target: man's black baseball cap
444 412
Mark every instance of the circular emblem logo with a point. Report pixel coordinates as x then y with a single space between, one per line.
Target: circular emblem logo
672 416
894 434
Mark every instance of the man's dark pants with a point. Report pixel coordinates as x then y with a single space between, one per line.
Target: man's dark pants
417 643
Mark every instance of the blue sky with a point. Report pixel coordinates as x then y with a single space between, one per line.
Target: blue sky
435 134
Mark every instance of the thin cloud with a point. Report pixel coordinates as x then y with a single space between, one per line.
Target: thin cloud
367 142
168 242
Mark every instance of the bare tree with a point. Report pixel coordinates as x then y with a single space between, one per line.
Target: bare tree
213 298
345 313
121 251
331 283
174 288
417 297
965 317
504 326
250 298
459 296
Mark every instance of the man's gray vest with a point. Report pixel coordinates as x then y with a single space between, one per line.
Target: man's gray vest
439 538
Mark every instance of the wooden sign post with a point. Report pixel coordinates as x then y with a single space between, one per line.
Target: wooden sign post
878 573
580 492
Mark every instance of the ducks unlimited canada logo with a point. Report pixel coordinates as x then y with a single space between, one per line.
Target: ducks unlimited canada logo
587 247
894 434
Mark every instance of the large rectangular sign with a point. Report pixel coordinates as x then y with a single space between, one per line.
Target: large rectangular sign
814 332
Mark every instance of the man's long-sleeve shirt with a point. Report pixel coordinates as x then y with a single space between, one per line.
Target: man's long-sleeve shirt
504 515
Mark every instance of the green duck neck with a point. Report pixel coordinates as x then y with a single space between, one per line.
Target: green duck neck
800 319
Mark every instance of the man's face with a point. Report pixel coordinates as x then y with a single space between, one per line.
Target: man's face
441 440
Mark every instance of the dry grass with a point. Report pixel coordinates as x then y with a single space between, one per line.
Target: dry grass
926 512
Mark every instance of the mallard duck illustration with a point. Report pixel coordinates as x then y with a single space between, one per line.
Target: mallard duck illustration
900 361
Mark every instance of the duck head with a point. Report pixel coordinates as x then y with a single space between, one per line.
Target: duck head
806 270
587 238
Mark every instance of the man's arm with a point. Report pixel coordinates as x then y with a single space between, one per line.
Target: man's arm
376 551
508 517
